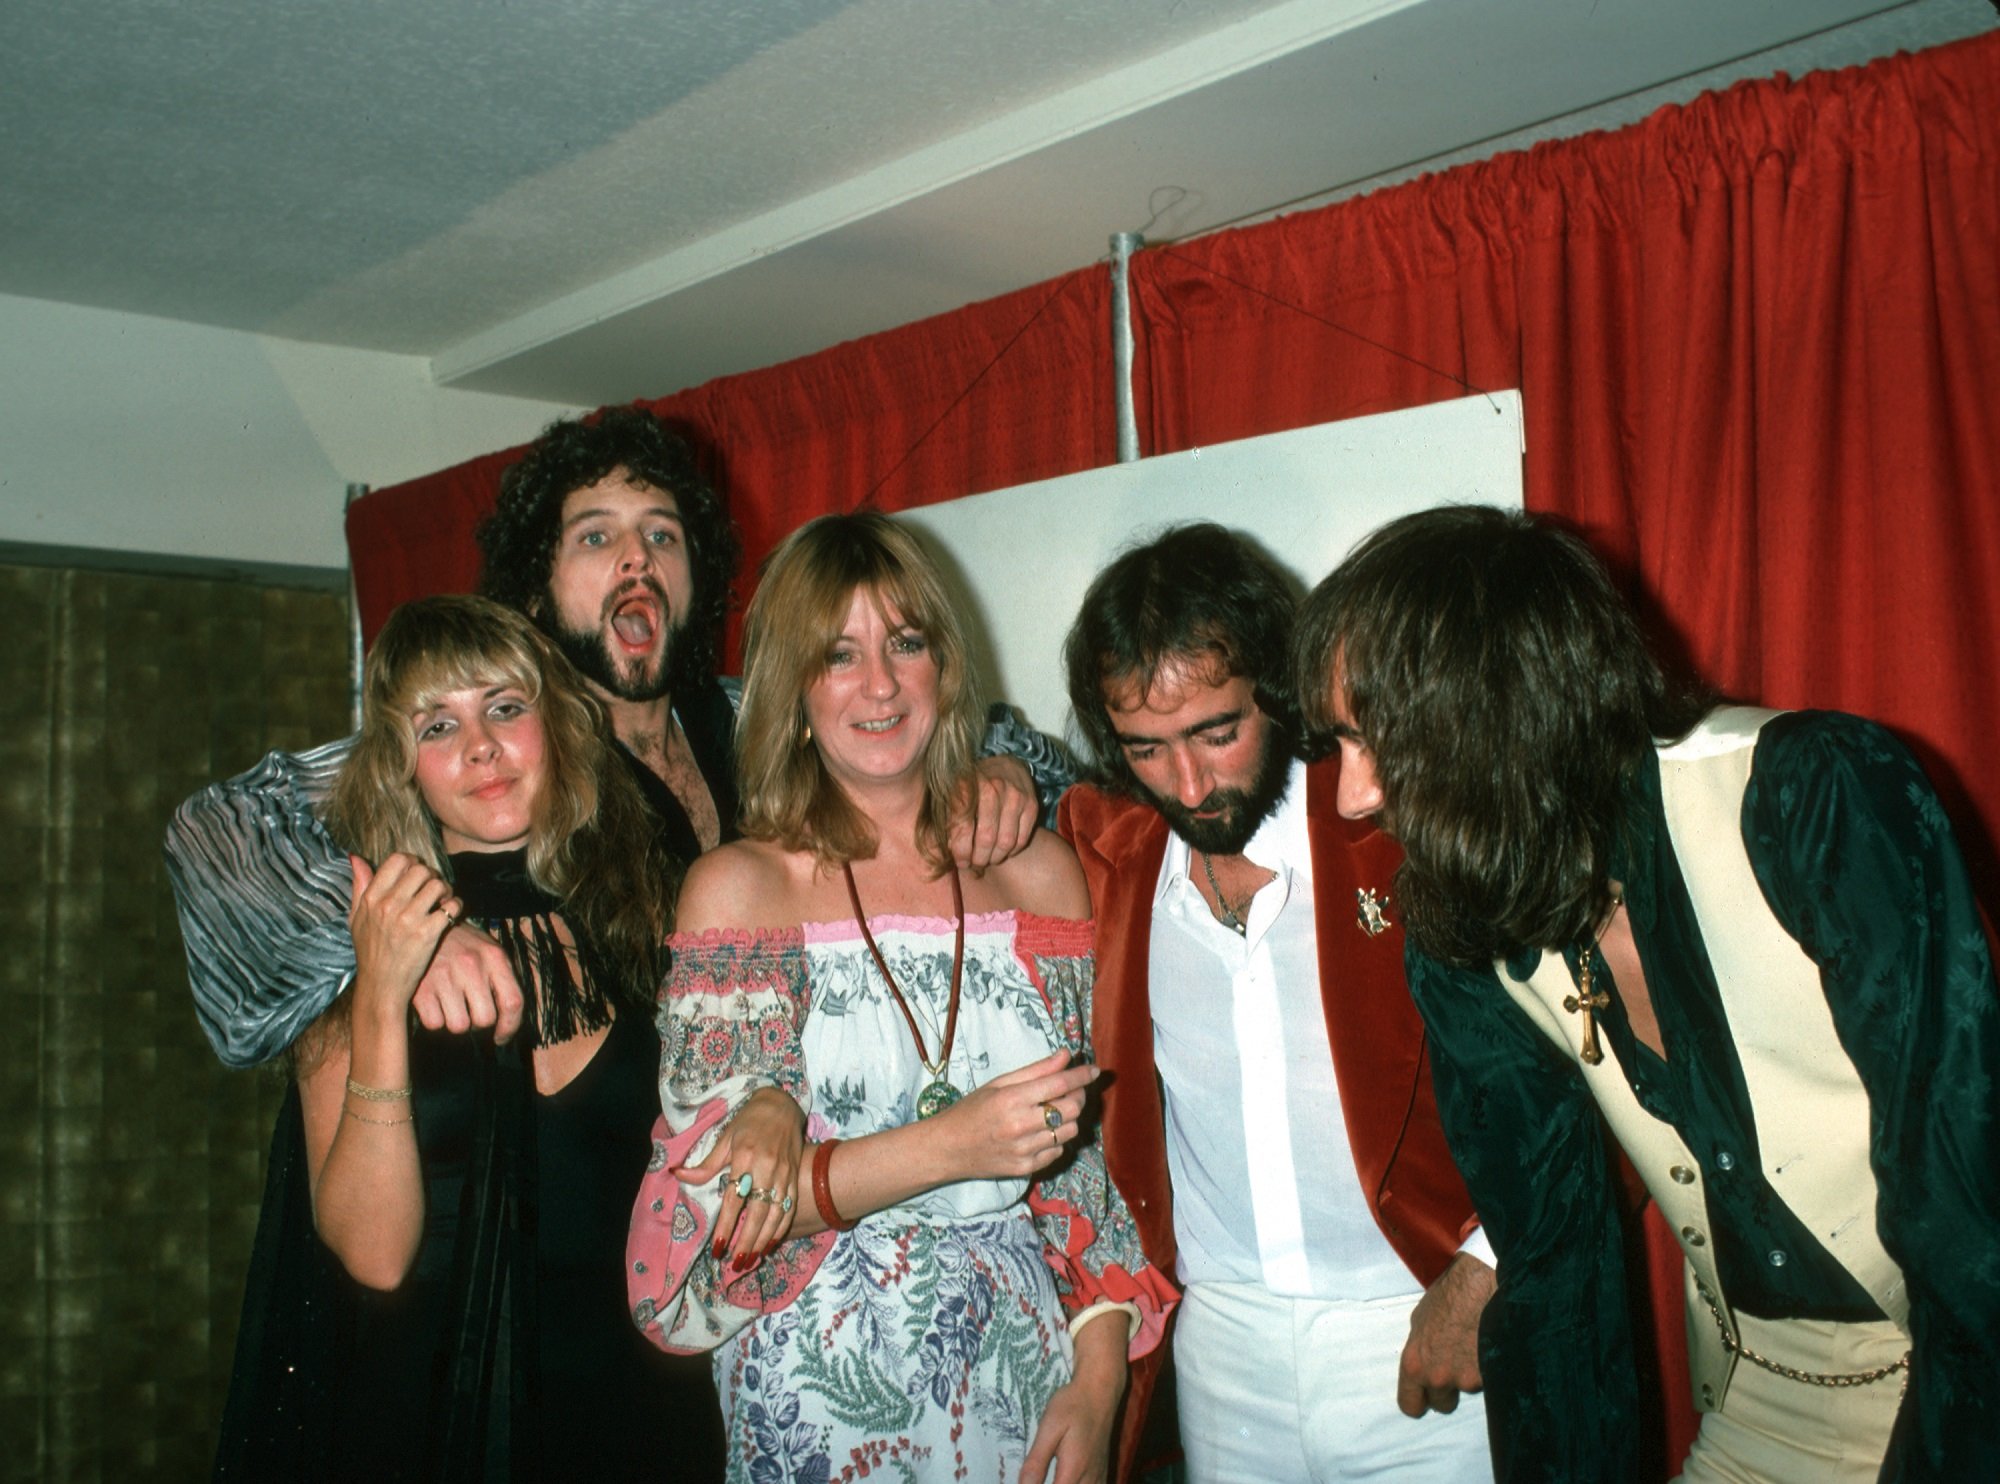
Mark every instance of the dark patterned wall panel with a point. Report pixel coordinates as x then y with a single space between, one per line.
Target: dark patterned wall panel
131 1163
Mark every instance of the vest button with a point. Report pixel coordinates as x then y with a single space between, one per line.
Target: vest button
1693 1237
1725 1161
1707 1394
1778 1258
1682 1175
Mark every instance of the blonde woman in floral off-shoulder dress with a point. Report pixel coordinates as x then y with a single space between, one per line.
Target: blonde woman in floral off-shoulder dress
960 1286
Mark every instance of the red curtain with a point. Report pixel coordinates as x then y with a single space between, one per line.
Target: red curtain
414 539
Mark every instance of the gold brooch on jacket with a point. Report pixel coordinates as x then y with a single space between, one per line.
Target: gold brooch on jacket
1371 911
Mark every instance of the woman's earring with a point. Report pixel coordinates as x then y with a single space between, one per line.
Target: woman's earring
806 736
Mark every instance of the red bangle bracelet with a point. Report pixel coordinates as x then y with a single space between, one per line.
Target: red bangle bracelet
822 1192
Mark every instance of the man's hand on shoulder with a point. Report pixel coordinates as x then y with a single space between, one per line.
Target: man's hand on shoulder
469 983
1442 1356
1003 816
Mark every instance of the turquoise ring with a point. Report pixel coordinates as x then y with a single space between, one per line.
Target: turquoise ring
744 1185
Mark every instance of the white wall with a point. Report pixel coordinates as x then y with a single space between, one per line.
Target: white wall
1021 558
125 434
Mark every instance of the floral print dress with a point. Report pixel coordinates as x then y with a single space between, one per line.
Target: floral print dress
924 1343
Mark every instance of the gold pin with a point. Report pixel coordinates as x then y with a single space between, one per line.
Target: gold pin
1371 912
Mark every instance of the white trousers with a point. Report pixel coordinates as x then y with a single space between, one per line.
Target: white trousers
1772 1430
1274 1390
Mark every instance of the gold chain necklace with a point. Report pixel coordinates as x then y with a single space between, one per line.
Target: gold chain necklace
1230 918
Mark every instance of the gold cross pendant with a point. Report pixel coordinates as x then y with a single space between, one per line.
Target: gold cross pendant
1584 1002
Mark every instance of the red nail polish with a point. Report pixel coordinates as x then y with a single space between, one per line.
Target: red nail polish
743 1263
716 1249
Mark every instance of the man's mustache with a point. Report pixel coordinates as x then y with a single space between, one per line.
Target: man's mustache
630 586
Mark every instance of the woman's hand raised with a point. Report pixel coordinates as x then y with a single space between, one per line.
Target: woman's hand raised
1017 1124
400 911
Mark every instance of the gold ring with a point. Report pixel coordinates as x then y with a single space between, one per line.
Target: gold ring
1052 1117
1055 1138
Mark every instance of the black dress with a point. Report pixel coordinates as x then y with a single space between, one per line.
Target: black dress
508 1353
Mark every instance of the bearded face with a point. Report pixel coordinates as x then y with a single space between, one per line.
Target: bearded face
620 586
1223 823
1204 752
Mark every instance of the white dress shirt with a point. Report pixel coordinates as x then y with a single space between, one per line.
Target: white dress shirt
1265 1189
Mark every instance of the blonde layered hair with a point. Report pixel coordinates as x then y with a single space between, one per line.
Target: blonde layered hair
592 844
800 609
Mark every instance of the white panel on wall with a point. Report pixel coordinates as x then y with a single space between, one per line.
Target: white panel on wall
1022 557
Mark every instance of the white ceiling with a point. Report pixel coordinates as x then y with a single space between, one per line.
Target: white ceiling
587 201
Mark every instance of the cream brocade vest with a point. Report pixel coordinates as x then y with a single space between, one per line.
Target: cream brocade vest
1808 1105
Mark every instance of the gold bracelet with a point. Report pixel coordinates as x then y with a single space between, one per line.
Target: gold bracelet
378 1094
378 1122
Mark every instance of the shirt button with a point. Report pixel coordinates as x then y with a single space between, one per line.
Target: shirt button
1707 1394
1682 1175
1778 1258
1725 1161
1693 1237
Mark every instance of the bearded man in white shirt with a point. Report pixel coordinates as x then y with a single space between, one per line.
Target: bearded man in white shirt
1268 1113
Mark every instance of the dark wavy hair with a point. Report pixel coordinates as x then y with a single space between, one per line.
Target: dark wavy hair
1508 697
517 542
1198 591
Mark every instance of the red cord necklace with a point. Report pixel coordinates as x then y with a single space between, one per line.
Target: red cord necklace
938 1094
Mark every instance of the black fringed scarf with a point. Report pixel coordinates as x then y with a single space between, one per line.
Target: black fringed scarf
501 897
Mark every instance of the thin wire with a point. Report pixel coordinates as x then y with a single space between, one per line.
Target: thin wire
998 356
1175 194
1249 288
1262 293
1263 211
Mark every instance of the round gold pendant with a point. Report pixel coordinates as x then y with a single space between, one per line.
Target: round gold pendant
935 1098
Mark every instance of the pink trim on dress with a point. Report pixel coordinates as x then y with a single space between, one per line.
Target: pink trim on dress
718 937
